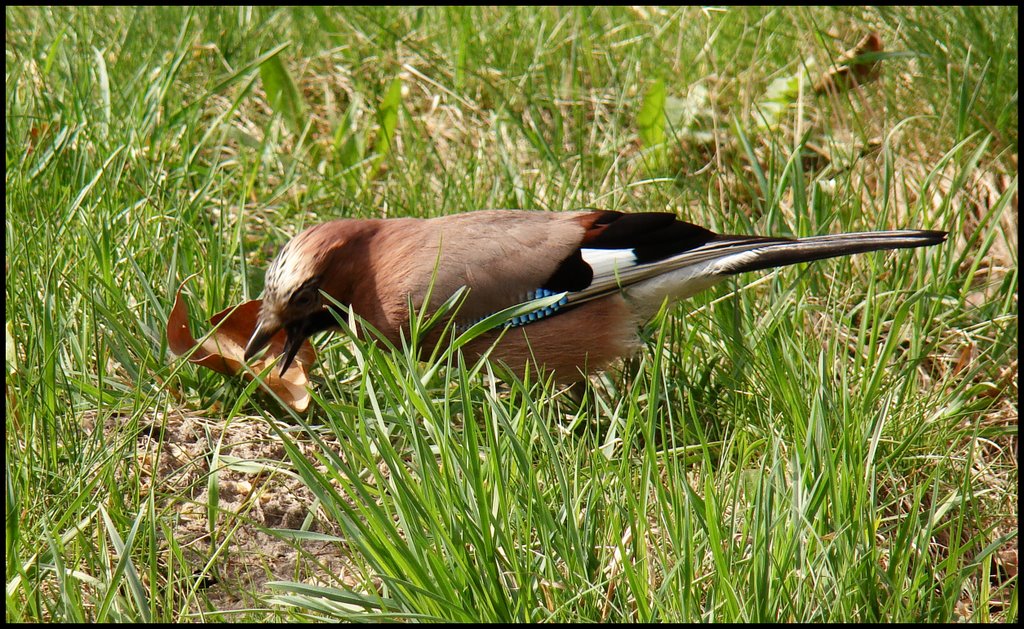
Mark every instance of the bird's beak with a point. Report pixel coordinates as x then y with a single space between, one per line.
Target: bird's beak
265 330
292 345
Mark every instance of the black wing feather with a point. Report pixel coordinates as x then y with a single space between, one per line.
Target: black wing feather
652 236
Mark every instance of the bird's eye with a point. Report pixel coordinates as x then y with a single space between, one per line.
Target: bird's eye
304 298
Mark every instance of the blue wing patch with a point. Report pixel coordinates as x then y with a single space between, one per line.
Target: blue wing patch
530 317
540 313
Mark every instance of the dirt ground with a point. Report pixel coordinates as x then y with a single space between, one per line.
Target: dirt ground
234 559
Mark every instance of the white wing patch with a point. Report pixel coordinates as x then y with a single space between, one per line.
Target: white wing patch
608 262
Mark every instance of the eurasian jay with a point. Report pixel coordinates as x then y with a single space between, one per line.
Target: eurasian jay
615 269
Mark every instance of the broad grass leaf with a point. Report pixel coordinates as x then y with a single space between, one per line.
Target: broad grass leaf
651 119
350 142
282 94
387 121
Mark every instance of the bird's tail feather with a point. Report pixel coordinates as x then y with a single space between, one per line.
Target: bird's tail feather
783 253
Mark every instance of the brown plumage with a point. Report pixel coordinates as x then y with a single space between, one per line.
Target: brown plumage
614 269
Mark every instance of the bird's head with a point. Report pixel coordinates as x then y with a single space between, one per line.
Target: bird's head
292 298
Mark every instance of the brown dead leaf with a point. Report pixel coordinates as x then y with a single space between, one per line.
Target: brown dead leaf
1007 559
37 134
964 359
850 70
223 350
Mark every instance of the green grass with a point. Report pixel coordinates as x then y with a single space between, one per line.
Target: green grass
830 442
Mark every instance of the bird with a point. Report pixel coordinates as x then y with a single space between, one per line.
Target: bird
606 273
